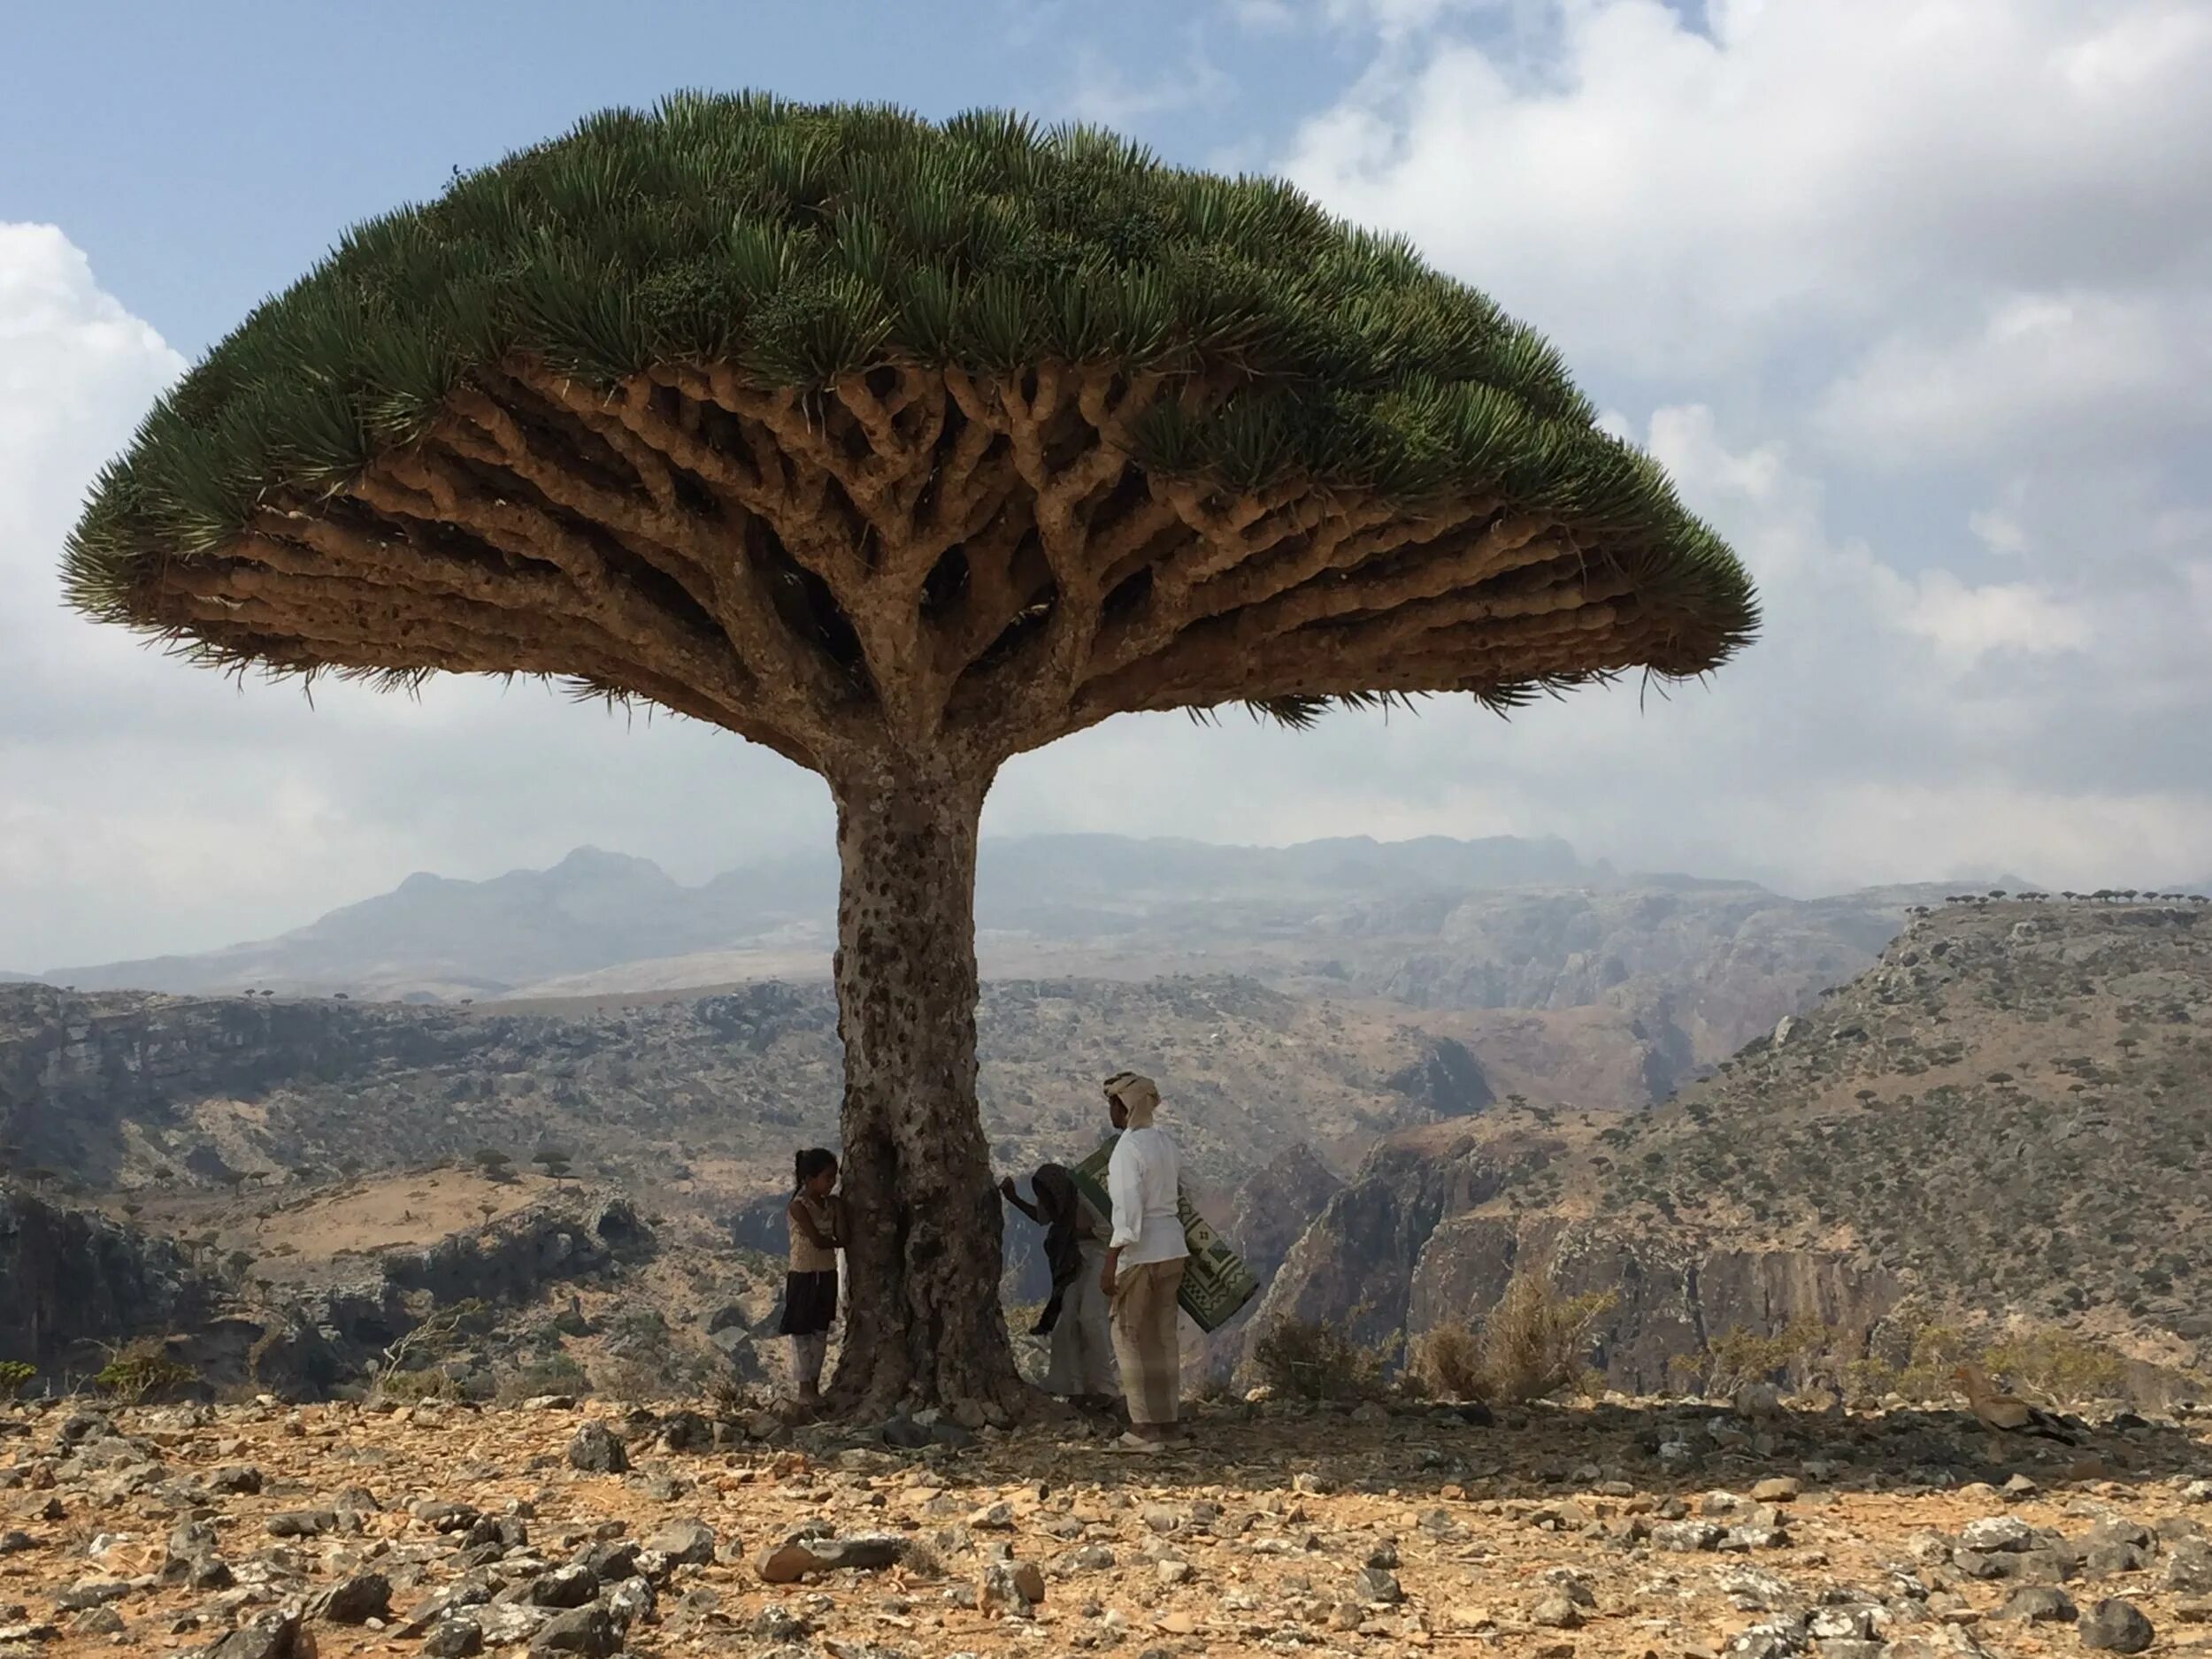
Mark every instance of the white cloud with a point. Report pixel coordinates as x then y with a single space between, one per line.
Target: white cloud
1103 94
2072 375
1966 624
1997 530
1957 253
1678 201
145 806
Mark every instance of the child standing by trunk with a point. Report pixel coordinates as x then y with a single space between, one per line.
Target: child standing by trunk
816 1221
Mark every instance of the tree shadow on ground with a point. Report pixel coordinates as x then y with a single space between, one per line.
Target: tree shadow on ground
1659 1449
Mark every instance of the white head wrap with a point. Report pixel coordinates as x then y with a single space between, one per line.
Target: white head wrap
1139 1096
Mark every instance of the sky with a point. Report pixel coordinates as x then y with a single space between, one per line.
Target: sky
1914 297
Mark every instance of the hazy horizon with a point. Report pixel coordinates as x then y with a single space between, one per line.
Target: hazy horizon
825 856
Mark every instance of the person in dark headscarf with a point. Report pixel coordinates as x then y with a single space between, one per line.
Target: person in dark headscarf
1083 1365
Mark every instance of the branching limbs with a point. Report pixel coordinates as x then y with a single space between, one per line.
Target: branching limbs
911 560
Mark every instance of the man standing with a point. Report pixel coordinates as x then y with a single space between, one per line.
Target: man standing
1145 1257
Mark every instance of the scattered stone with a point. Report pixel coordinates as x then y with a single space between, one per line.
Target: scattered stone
1772 1639
2115 1626
687 1543
570 1586
1377 1586
456 1636
15 1542
632 1602
2189 1566
778 1622
685 1432
271 1635
2039 1604
905 1434
509 1624
586 1630
1556 1612
301 1523
1997 1532
88 1593
355 1600
1686 1536
595 1450
1776 1489
446 1517
800 1556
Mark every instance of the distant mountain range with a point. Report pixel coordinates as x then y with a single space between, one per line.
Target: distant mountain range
595 909
1503 922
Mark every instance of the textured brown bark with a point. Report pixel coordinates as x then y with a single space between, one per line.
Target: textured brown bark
923 1325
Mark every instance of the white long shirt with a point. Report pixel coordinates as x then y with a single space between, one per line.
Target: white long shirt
1140 1179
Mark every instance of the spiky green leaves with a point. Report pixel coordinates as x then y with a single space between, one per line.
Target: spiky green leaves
799 244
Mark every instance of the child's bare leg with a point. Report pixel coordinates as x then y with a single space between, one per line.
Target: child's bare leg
808 1353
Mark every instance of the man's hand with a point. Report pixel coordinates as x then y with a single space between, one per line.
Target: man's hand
1106 1279
1006 1186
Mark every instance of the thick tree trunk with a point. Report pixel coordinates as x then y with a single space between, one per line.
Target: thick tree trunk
923 1325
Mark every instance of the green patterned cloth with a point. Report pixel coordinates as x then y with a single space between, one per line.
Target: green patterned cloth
1216 1282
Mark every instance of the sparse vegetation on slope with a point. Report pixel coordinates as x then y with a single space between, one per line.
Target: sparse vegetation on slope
2014 1110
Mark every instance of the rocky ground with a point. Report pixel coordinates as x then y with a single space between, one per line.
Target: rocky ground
1626 1528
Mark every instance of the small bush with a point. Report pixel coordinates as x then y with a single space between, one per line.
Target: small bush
1447 1359
1740 1355
557 1374
2058 1367
1303 1359
1868 1380
136 1370
13 1374
414 1387
1936 1351
1533 1342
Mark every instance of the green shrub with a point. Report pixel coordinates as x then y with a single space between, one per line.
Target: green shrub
13 1374
2057 1366
1740 1355
1303 1359
134 1370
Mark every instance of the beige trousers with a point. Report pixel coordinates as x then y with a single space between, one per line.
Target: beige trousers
1145 1344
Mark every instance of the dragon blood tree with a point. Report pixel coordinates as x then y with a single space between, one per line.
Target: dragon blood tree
900 448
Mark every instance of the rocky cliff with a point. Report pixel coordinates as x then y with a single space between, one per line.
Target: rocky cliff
72 1282
71 1279
2009 1118
699 1100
